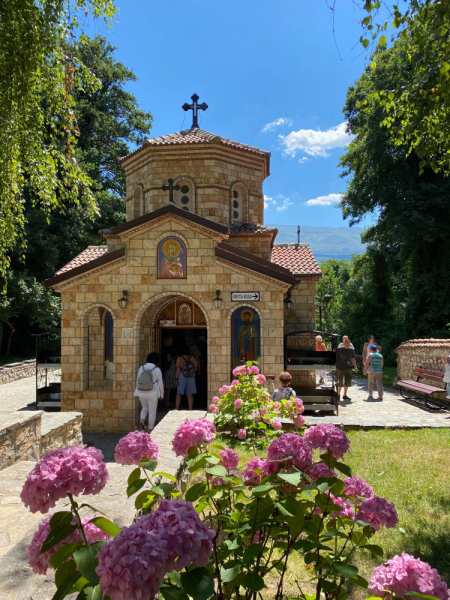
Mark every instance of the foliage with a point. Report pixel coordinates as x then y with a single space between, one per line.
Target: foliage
246 409
38 124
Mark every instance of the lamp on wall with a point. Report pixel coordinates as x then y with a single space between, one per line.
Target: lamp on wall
217 300
288 301
124 300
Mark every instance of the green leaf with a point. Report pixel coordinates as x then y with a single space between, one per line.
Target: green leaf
65 577
135 473
360 581
365 42
57 535
90 593
253 581
343 468
142 498
287 508
251 552
86 559
169 592
230 570
61 519
261 490
345 570
135 486
216 470
62 554
295 524
166 475
106 525
149 464
383 40
292 478
373 549
198 583
195 492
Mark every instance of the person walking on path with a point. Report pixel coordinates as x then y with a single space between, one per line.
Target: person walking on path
285 391
149 389
320 347
374 374
185 377
345 358
365 352
447 374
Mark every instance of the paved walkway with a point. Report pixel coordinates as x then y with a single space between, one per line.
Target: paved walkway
17 394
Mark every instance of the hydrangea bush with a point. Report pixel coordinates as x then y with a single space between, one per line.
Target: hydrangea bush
234 531
245 408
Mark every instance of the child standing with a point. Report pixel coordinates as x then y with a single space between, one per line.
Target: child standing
376 361
285 391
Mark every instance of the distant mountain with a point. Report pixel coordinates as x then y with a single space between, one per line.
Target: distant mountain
325 242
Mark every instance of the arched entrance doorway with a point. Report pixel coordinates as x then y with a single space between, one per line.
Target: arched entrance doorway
178 320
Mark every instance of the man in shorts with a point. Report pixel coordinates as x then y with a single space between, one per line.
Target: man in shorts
345 358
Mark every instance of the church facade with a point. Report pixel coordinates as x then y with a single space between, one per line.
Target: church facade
193 261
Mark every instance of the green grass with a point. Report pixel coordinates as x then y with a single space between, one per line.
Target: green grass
389 373
411 469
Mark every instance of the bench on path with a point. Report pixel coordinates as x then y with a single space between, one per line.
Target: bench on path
422 391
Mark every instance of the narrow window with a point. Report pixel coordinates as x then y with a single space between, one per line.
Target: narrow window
184 197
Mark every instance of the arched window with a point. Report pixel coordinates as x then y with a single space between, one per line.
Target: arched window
185 197
238 207
138 202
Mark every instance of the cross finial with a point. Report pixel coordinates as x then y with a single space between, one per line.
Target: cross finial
170 187
195 107
298 235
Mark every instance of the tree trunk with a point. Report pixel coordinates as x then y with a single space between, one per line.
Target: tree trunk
11 333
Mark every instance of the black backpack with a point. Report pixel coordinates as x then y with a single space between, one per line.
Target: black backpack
188 369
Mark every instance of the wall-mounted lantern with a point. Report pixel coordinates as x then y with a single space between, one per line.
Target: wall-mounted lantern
124 300
217 300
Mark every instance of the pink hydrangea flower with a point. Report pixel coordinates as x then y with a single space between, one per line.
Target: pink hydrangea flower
187 538
261 378
241 370
40 562
257 416
238 403
355 486
132 565
254 369
298 404
135 446
213 408
73 470
327 438
242 434
235 382
264 410
249 475
299 420
320 470
346 510
288 444
230 459
276 425
216 399
404 574
192 433
378 512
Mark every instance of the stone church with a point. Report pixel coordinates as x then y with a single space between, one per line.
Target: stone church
193 261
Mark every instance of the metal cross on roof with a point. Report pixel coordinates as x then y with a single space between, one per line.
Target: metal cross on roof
298 235
170 187
195 107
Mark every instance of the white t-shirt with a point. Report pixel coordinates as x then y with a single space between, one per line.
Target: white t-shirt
158 386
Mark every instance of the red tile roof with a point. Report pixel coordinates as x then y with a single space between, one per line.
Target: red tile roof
250 228
298 258
196 136
91 253
424 343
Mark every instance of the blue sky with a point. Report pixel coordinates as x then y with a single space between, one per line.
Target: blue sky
271 75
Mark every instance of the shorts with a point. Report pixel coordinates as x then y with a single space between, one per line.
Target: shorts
186 385
344 378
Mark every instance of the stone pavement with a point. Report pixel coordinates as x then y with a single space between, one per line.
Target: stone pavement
392 412
17 524
17 394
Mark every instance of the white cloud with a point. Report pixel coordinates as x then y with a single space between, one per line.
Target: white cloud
315 142
279 203
324 200
303 160
277 123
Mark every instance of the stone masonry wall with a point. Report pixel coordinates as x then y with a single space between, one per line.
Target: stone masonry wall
115 409
255 243
61 432
423 353
20 437
20 370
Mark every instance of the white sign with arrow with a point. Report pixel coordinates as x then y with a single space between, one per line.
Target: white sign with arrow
244 296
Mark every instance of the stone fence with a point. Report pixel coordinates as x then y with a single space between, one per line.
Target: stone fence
425 354
19 370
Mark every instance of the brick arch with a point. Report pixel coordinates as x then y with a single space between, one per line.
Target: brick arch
138 201
93 346
169 233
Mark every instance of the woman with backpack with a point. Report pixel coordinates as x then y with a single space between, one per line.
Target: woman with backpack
185 377
149 389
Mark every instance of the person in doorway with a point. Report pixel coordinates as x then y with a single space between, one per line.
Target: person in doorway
374 361
447 374
345 358
185 377
320 347
366 352
285 391
168 363
194 351
149 389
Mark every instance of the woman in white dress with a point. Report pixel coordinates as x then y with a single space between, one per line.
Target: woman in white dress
149 397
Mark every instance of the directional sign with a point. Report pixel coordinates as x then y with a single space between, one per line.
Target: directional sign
244 296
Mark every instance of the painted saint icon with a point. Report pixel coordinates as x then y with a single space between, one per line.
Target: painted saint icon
171 259
246 335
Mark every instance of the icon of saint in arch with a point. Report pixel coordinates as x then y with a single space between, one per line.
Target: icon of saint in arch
171 264
247 337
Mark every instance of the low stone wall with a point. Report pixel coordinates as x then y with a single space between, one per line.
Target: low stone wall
60 430
20 370
20 437
423 353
